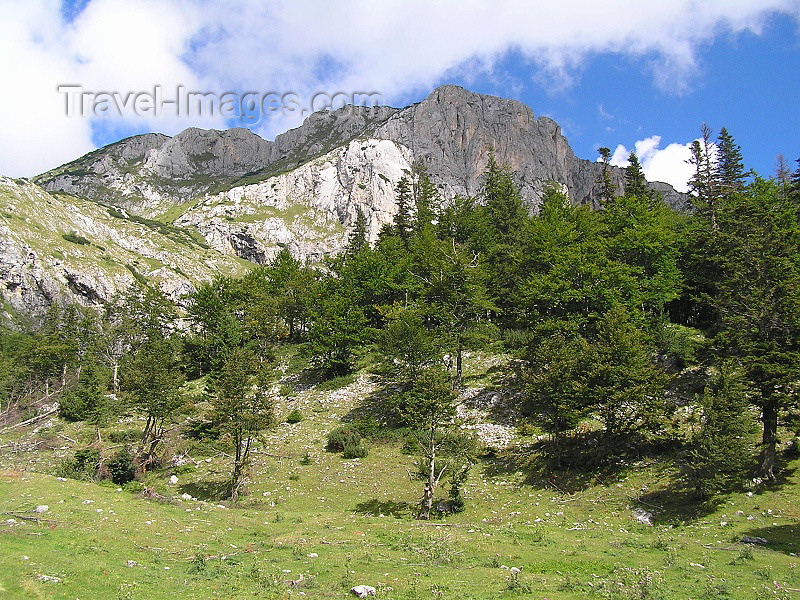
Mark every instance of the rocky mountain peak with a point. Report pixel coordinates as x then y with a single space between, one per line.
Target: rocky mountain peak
238 196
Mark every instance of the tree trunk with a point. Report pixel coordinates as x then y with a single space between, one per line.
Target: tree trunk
769 438
459 362
115 378
426 506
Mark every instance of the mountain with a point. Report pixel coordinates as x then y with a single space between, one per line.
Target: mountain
185 207
55 247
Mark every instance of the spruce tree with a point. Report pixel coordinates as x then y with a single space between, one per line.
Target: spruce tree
607 187
730 167
635 182
704 184
402 219
721 449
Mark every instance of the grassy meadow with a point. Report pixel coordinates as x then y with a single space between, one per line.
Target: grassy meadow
314 524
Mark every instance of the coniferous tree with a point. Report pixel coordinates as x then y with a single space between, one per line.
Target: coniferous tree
556 387
505 221
243 408
402 219
758 300
426 197
730 167
624 387
151 381
794 187
782 175
607 187
704 184
428 405
358 237
635 182
721 450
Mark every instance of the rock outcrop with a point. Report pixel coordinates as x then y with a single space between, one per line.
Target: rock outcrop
56 248
452 132
177 209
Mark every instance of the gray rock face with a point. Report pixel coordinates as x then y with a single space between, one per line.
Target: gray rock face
249 197
43 261
452 132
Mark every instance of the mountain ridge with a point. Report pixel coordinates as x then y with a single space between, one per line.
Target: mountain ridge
238 196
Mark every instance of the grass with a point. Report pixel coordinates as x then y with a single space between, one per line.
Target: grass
340 523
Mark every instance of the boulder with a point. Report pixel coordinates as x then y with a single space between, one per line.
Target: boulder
363 591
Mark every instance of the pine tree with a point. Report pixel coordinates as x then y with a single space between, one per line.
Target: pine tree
426 197
428 405
758 300
556 386
506 215
505 221
794 186
402 219
635 182
151 381
721 449
607 187
358 237
730 167
243 408
704 184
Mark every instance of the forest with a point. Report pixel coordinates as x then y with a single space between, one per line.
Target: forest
634 330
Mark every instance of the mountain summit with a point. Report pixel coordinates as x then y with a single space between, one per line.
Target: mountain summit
89 228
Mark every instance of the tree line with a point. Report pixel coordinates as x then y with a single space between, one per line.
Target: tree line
634 326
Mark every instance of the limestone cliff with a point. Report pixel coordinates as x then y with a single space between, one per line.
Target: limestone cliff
175 210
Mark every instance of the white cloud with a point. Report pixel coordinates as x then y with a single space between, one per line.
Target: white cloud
659 164
395 47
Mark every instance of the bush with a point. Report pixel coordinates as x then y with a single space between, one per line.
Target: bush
127 436
72 407
82 466
336 383
121 467
367 426
355 450
341 437
75 238
294 417
793 451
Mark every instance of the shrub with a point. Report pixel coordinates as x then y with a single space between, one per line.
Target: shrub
121 467
367 426
75 238
294 417
72 407
82 466
341 437
355 450
793 451
127 436
331 385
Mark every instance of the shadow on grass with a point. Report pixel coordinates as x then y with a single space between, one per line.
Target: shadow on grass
783 538
206 490
377 406
575 462
676 503
375 507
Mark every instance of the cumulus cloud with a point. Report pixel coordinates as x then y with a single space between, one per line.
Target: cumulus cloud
669 164
397 48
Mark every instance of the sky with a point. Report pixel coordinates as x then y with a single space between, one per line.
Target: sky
627 74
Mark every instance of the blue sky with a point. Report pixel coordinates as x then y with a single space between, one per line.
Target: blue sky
620 73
